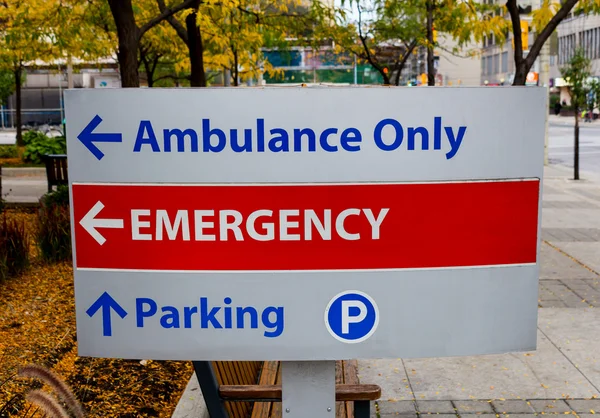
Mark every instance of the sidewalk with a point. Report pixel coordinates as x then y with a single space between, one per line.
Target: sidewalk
570 121
23 185
561 377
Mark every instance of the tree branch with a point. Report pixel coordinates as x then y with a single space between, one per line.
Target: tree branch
172 77
513 10
164 14
175 24
547 31
400 66
363 40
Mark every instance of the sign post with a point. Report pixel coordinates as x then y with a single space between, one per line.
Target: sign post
305 225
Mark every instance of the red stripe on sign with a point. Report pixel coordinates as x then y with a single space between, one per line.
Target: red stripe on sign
305 227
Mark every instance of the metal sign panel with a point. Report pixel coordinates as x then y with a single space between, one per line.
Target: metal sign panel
305 224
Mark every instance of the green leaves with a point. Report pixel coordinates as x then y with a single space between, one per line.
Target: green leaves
37 145
576 74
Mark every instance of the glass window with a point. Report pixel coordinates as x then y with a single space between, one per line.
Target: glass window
489 65
505 62
496 64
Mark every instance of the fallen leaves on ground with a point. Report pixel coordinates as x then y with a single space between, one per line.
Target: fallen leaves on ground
37 325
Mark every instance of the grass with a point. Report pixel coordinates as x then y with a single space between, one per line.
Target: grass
37 325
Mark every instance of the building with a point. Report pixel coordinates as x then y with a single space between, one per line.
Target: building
457 69
497 57
44 83
582 31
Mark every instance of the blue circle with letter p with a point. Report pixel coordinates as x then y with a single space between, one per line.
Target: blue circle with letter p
351 316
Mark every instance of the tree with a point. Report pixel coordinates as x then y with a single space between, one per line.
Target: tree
162 55
25 37
384 36
7 85
545 20
577 73
129 34
191 35
230 35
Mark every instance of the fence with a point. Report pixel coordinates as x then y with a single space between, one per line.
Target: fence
30 117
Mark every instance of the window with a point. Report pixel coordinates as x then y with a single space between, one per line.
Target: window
552 60
489 65
482 65
560 50
496 63
505 62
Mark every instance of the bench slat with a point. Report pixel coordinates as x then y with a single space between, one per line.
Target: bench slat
350 378
277 407
343 392
268 376
340 408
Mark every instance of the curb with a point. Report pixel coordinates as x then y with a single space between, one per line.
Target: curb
191 404
23 171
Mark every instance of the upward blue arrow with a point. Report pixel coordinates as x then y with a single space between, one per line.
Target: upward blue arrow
106 302
88 137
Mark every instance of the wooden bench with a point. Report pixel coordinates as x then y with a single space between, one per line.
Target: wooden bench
56 170
250 389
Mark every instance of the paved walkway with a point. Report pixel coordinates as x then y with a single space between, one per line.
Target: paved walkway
23 185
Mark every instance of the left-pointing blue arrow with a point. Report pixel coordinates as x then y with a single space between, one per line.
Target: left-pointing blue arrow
88 137
106 303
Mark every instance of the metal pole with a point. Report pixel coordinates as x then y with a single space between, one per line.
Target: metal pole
60 97
545 82
308 389
210 389
355 71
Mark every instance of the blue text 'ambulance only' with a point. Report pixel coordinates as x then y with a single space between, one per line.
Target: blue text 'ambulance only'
387 134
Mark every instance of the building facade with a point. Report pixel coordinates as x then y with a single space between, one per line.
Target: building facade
574 32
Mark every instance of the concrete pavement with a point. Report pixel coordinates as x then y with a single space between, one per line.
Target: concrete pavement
560 143
23 185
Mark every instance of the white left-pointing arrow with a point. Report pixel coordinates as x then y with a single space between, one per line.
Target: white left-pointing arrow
89 222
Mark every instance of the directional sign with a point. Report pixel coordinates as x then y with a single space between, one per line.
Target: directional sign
305 224
106 303
88 138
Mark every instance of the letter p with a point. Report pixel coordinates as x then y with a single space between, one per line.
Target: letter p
141 313
347 318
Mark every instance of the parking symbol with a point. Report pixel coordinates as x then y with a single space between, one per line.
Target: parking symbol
351 316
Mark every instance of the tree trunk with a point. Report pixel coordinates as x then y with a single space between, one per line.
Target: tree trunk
149 73
430 69
521 74
128 35
576 147
400 66
196 49
20 142
236 75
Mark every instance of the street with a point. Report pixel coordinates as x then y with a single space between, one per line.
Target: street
560 131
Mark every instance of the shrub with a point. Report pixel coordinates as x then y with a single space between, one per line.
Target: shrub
53 226
59 197
8 151
14 247
37 145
